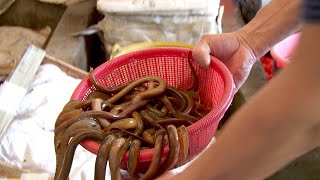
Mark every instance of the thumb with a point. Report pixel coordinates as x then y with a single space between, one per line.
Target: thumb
201 53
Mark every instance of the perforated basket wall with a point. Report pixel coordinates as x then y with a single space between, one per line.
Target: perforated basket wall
171 64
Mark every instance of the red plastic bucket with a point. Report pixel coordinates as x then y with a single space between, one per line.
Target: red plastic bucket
279 55
282 51
216 90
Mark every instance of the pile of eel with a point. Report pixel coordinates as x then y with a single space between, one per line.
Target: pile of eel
144 113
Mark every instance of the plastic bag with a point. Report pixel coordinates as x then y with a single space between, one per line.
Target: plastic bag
149 21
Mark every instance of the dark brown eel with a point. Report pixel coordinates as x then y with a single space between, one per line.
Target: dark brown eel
98 94
102 157
125 123
113 158
149 120
195 86
134 152
102 114
174 121
174 148
97 105
127 143
153 170
67 115
106 90
63 172
176 113
149 135
184 145
143 95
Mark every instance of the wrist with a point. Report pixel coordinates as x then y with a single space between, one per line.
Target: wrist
254 45
272 24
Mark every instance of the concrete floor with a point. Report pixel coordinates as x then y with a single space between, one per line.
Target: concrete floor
306 167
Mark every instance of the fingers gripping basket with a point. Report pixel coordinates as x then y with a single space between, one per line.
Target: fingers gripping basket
171 64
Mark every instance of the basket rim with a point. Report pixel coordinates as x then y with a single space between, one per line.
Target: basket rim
146 154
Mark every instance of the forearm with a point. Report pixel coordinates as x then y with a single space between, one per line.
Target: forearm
272 24
277 125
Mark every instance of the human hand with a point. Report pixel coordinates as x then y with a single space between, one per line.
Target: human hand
230 48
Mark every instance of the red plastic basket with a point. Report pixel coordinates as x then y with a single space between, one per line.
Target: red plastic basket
216 90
